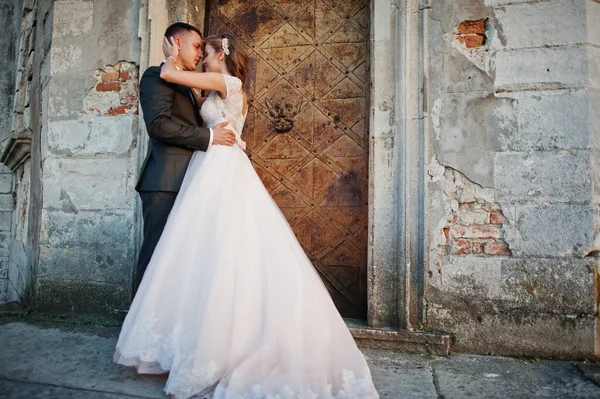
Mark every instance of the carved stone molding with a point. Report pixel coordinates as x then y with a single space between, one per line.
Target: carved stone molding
18 149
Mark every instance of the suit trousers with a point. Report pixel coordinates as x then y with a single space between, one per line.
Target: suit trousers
156 206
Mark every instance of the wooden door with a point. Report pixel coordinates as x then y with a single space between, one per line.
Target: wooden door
307 124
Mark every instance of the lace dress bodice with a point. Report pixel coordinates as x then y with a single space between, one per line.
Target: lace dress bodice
216 110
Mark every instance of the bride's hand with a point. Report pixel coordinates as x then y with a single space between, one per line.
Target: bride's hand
169 47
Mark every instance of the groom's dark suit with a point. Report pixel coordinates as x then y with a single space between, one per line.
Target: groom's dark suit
174 125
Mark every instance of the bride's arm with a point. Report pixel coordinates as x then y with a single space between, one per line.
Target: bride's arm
199 80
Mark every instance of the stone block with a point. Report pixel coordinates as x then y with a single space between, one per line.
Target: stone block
595 171
557 22
541 68
72 17
88 229
13 270
87 246
78 264
5 221
549 176
593 74
593 22
4 267
517 333
550 285
83 297
87 184
466 127
109 47
551 120
90 136
6 202
67 93
4 242
3 290
554 230
500 3
467 277
6 183
462 75
65 58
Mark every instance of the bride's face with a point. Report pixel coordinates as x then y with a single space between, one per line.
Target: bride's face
212 59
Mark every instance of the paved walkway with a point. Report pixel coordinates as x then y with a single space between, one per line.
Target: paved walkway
43 359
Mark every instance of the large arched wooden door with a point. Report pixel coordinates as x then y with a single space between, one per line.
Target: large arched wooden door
307 125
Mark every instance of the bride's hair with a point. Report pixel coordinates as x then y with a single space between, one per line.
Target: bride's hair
237 60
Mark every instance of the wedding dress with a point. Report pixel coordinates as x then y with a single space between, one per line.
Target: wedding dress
230 305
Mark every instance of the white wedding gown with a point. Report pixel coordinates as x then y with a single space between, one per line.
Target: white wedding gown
230 305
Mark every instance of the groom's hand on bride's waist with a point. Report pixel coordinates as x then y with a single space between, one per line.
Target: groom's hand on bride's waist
223 135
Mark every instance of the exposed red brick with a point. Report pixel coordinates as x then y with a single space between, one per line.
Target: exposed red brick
128 94
122 109
489 231
108 86
497 217
477 231
472 27
492 207
472 213
124 75
477 247
496 248
458 231
461 247
471 41
110 77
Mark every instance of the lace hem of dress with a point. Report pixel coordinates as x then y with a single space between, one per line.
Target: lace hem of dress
163 350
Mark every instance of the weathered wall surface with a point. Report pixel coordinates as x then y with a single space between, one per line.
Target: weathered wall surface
21 149
6 207
87 240
512 192
10 20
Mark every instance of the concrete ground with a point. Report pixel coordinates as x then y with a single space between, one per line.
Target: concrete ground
63 359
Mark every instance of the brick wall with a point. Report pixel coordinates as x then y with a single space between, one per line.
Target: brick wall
115 91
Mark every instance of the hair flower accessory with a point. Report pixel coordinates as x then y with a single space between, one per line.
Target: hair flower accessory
225 45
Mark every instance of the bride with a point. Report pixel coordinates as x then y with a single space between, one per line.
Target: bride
230 306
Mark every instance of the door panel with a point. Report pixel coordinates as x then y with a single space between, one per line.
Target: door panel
306 126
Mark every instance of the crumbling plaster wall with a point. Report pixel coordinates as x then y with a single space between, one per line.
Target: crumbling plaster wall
87 242
512 148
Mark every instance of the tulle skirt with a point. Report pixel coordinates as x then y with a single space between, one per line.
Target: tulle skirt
231 306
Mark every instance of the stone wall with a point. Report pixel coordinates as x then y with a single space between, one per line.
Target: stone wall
87 242
10 20
6 207
20 149
512 188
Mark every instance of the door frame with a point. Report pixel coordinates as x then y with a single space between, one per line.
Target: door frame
396 255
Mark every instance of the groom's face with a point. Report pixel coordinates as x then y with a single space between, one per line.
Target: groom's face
190 50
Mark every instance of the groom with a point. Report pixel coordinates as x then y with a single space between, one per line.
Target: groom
175 128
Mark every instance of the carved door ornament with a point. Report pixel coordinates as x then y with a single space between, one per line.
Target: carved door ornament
283 116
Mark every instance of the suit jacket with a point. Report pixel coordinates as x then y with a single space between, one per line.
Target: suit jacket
174 125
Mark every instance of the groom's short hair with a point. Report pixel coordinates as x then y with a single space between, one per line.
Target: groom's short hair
179 27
